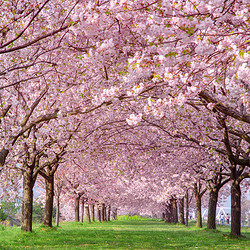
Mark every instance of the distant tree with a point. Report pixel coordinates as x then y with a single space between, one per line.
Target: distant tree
38 212
10 208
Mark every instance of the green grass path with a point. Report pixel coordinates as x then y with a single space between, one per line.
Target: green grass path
122 234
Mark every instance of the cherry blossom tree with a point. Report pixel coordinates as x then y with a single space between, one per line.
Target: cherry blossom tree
182 63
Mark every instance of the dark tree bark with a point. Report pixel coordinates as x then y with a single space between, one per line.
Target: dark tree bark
213 198
57 211
87 213
198 195
27 206
48 174
235 210
163 216
235 203
3 155
187 206
175 211
217 183
171 211
77 200
99 212
181 211
168 211
104 212
109 212
92 212
82 209
77 205
198 212
59 186
48 212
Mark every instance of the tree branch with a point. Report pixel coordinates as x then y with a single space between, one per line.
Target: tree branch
223 108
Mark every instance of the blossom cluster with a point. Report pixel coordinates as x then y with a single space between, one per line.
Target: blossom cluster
106 95
134 119
136 90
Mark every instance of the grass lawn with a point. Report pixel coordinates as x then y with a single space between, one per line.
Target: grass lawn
122 234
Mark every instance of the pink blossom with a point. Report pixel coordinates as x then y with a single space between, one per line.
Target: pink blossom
210 105
134 119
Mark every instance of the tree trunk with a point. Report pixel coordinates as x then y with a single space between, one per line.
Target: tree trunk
82 215
87 213
114 214
198 212
213 198
175 211
103 212
92 212
59 189
170 211
235 209
28 183
48 212
99 212
198 206
187 214
109 211
181 211
3 155
57 211
163 216
167 213
77 199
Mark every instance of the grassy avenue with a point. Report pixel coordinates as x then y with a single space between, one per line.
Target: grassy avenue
125 233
